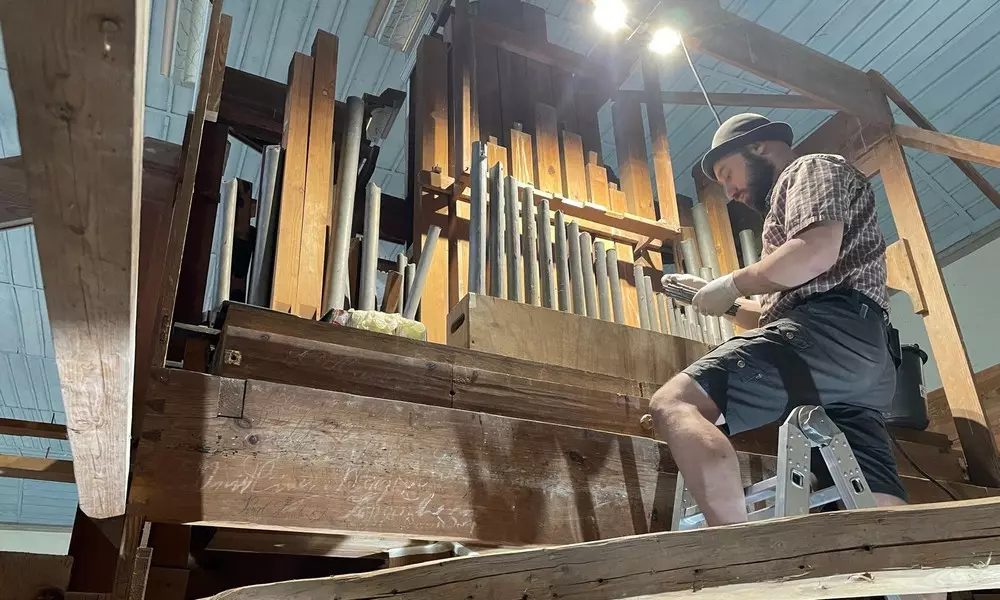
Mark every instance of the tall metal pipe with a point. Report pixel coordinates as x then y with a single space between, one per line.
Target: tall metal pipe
589 283
748 247
225 272
262 271
167 49
703 229
408 277
714 326
672 314
529 252
515 286
562 264
601 276
401 264
640 293
495 241
576 269
477 220
661 310
616 287
692 259
369 247
420 275
335 282
654 320
545 262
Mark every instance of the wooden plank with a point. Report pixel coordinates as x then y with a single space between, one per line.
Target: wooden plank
393 287
949 145
513 103
522 157
547 160
942 327
920 120
167 583
15 207
488 101
663 169
626 272
774 57
574 174
40 469
428 128
902 274
742 100
497 480
534 48
318 173
295 142
463 103
307 544
253 106
78 78
564 97
597 182
987 384
52 431
874 552
633 162
219 68
32 576
183 200
512 329
495 153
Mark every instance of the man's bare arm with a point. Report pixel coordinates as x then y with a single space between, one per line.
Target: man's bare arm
804 257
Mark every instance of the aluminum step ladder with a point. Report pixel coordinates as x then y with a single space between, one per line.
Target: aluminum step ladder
788 493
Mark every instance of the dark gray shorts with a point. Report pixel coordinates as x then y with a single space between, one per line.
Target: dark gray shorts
830 351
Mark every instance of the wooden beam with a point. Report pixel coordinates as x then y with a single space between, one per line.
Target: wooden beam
663 169
597 182
78 77
52 431
920 120
464 103
390 298
496 480
902 274
949 145
633 162
30 576
899 550
533 47
843 134
252 105
15 207
219 68
987 384
41 469
308 544
942 327
724 99
774 57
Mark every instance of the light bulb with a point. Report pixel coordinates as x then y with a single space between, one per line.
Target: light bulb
664 40
610 14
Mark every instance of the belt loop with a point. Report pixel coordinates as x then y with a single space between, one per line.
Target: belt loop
864 310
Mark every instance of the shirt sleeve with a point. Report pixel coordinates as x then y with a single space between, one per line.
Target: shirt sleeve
817 190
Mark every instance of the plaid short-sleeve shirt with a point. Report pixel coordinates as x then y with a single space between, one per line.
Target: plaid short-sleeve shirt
825 187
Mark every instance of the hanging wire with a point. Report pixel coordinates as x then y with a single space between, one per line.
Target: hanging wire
698 79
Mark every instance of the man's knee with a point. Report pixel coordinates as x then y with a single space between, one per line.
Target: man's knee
679 398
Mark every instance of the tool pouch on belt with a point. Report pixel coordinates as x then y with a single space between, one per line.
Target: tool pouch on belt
894 349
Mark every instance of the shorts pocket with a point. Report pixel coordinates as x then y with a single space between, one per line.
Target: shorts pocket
792 333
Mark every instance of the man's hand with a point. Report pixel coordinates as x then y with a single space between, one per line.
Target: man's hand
684 279
718 296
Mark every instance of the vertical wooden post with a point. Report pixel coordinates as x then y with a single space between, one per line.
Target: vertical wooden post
973 426
663 169
464 103
547 150
429 146
633 163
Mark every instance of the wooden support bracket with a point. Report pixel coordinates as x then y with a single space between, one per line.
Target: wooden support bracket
902 274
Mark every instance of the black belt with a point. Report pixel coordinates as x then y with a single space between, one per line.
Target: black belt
851 295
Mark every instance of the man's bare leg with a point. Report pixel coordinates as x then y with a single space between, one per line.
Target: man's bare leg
889 500
684 416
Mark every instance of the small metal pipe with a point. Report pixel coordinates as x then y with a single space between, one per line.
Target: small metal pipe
692 261
335 283
672 316
589 283
529 252
225 272
477 220
420 275
401 264
576 269
495 241
545 262
369 247
654 320
748 247
703 230
515 286
661 310
262 271
601 276
640 292
728 330
714 327
617 310
562 264
408 277
167 48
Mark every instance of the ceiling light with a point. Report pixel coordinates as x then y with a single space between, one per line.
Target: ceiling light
610 14
664 40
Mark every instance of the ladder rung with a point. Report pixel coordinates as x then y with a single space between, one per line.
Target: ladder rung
817 499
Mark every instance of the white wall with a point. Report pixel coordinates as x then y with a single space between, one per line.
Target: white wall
974 285
36 540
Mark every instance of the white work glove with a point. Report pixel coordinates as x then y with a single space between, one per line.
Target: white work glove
717 297
684 279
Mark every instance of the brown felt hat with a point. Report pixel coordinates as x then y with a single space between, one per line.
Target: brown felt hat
742 130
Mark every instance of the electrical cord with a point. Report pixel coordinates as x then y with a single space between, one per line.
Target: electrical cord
913 463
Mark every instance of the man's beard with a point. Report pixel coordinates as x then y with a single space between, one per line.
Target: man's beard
760 179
